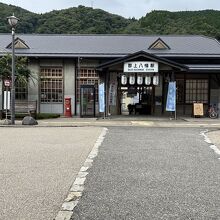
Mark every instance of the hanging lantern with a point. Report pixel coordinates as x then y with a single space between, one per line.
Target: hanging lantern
123 79
156 80
139 79
132 79
147 80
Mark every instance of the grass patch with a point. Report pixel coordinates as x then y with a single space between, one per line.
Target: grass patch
39 116
47 115
20 116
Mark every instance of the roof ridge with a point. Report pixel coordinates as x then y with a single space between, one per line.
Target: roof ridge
139 35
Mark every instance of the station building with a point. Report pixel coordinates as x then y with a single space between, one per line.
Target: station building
135 71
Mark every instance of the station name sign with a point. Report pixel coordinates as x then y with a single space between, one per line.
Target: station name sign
140 67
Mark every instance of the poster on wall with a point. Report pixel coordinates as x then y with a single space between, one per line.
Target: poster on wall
112 93
101 97
171 97
198 109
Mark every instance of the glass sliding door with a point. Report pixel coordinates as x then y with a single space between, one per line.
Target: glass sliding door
87 101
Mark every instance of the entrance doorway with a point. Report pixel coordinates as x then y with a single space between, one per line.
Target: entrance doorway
137 100
87 101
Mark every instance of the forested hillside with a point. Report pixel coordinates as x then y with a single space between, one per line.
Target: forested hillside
28 20
85 20
205 22
80 20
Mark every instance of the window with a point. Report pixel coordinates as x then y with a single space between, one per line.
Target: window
197 90
21 91
51 85
87 76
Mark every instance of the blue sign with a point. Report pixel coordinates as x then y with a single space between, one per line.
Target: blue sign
171 97
101 97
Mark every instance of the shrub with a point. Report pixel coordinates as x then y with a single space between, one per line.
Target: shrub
47 115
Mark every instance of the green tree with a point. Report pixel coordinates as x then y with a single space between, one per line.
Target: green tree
22 73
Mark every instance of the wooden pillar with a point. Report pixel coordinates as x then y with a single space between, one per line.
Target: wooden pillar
209 89
184 94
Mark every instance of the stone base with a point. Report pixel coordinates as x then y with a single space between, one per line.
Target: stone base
28 120
7 122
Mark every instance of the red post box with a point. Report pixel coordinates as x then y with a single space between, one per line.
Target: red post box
67 108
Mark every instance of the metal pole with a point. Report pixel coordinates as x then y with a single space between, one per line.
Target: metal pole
104 100
13 80
175 101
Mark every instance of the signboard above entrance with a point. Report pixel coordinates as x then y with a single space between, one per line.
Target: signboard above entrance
140 67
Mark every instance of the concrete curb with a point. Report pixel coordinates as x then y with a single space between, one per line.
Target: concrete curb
149 122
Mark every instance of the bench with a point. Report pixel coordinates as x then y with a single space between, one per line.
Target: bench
26 108
23 108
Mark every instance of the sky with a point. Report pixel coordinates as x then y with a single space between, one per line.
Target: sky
125 8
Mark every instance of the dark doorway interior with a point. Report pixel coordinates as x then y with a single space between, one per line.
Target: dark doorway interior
137 100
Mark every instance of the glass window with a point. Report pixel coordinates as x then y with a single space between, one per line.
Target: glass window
197 90
87 76
51 85
21 91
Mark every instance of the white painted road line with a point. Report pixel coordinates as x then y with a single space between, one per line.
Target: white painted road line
207 140
216 150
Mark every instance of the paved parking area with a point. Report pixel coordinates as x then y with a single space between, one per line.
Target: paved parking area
37 168
152 173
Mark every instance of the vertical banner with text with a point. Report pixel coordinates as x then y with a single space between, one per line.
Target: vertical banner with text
171 97
101 97
112 93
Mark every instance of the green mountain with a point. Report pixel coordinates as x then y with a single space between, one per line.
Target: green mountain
28 19
80 20
205 22
86 20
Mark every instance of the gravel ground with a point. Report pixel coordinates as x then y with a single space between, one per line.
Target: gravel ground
37 168
152 173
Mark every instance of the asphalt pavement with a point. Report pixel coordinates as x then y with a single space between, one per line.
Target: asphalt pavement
152 173
145 169
37 168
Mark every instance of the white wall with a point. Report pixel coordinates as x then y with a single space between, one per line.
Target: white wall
69 82
51 108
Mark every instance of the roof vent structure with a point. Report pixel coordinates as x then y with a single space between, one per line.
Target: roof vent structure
19 44
159 44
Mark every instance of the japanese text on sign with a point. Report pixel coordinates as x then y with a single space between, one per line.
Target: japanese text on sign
141 67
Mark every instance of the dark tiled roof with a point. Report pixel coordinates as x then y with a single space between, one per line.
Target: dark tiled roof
203 67
145 55
111 45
